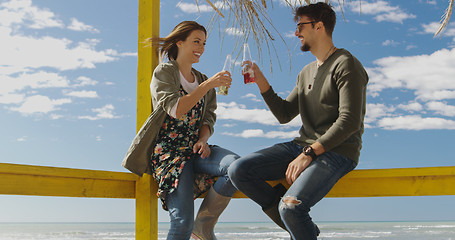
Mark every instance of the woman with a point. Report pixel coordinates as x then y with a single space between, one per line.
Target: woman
180 158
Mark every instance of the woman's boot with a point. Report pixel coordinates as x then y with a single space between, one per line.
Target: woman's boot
208 214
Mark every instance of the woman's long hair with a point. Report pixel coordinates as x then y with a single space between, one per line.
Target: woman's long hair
168 45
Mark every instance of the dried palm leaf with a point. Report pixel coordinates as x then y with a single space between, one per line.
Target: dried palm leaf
445 18
251 18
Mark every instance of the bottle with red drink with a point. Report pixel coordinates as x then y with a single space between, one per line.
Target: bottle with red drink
247 72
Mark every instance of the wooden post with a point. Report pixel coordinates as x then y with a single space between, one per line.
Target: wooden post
146 200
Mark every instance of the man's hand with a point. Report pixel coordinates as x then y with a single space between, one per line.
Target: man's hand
201 147
296 167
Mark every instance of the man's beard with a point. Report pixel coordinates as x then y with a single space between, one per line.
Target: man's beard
305 47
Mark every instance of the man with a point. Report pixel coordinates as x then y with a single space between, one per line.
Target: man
330 98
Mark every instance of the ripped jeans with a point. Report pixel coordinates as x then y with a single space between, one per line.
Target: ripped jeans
250 173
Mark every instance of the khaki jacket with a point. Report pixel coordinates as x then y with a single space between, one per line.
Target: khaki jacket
165 88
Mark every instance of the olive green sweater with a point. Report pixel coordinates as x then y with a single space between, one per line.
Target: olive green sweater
331 101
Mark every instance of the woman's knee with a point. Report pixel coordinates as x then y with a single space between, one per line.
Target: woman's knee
226 156
182 227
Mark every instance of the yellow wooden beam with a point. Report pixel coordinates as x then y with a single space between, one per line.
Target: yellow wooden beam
149 24
146 209
52 181
20 169
146 201
428 181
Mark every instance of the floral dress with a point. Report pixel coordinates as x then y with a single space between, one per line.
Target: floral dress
174 146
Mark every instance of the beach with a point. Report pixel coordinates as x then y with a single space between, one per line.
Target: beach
238 231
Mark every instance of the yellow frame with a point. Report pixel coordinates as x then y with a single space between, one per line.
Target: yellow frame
51 181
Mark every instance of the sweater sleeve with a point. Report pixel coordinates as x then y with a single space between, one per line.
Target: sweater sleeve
351 82
283 110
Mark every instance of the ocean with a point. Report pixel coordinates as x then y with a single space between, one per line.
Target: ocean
237 231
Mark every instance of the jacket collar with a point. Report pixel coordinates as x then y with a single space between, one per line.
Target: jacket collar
196 72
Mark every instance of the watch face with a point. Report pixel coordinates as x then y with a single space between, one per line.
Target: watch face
306 150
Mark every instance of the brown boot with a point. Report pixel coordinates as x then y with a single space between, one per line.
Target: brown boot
208 214
272 210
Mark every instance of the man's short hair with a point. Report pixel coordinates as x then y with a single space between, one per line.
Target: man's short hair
319 12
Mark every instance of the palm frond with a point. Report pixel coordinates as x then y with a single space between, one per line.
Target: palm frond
252 19
445 18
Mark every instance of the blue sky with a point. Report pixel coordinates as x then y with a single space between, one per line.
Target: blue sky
68 97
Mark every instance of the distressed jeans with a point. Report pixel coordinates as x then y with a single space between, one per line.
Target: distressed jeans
181 203
250 173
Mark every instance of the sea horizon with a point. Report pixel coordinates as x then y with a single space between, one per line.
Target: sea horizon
337 230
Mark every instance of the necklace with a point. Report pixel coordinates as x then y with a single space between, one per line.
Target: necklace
327 55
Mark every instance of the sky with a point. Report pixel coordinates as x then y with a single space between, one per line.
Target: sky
68 97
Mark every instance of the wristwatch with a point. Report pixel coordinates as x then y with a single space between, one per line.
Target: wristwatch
309 151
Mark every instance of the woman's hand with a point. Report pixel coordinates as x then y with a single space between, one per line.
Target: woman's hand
222 78
201 147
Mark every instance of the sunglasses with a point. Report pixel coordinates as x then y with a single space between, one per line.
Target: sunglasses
299 25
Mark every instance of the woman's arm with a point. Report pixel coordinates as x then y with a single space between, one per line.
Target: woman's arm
201 147
188 101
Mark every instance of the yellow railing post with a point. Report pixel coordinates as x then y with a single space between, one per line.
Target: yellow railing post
146 201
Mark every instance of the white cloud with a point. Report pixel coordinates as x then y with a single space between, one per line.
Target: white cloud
441 108
77 25
414 122
411 107
22 139
377 111
292 2
106 112
11 98
234 31
432 27
194 8
363 22
392 43
41 79
82 94
85 81
249 133
409 47
33 63
238 112
429 76
39 104
382 11
127 54
290 34
22 12
56 116
26 53
252 97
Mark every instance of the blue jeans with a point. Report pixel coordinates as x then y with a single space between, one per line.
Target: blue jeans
250 173
181 203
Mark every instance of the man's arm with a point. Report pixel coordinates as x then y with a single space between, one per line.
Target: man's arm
283 110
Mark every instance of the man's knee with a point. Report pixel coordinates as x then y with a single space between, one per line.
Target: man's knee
236 171
290 206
